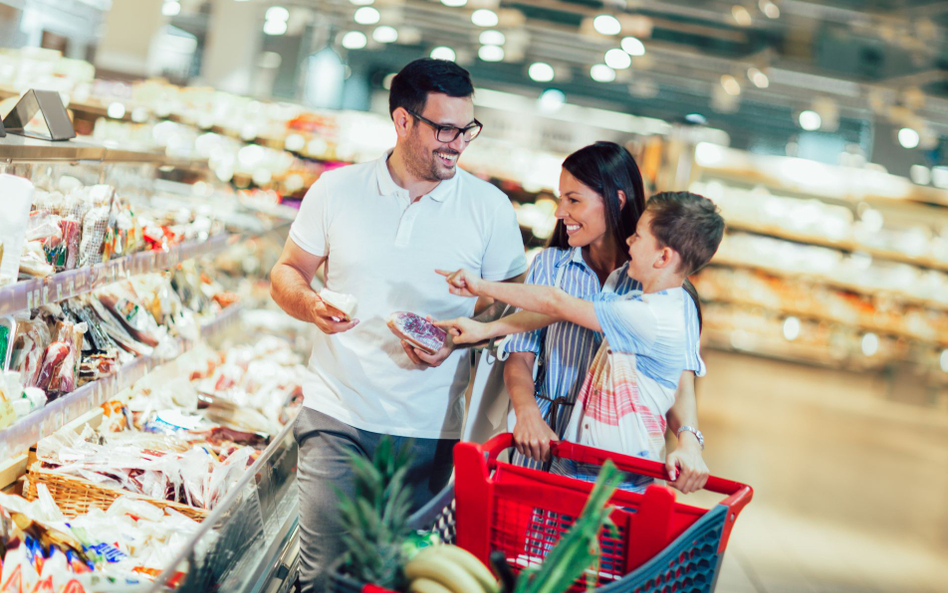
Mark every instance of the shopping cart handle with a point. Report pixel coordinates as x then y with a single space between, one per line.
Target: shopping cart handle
740 493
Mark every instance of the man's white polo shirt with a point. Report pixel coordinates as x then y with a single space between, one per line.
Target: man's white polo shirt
384 251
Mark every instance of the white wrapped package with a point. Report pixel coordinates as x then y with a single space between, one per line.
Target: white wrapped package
17 195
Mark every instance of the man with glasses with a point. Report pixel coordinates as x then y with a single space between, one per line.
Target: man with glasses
383 228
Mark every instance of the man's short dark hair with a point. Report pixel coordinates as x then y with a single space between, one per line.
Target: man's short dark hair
411 86
689 224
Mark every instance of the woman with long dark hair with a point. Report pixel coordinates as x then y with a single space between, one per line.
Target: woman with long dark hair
602 196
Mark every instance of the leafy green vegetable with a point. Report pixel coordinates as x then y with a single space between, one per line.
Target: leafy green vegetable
577 550
376 518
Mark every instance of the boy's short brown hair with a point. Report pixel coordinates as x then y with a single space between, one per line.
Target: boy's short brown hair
689 224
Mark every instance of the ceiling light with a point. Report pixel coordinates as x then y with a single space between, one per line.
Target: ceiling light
361 2
274 27
770 10
617 59
870 344
757 77
367 16
117 110
551 100
541 72
492 38
454 3
730 84
696 118
602 73
491 53
791 328
277 13
632 46
354 40
741 16
385 34
484 18
810 120
908 138
443 52
607 24
170 8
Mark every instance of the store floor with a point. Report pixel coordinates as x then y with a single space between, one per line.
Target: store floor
851 490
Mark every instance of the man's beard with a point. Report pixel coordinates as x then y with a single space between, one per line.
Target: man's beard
424 164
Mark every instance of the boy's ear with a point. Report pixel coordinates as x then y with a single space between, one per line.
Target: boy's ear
667 257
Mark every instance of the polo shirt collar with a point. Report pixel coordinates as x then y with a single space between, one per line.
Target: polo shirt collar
387 185
574 255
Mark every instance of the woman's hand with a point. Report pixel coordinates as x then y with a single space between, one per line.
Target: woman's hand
464 330
686 466
532 435
463 282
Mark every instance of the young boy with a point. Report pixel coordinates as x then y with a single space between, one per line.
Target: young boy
631 384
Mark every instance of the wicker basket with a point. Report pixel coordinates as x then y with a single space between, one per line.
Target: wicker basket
75 495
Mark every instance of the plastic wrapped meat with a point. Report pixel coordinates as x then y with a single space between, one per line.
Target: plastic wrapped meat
418 331
56 354
70 234
117 332
94 227
32 338
136 321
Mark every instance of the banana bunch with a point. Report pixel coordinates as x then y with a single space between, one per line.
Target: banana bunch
448 569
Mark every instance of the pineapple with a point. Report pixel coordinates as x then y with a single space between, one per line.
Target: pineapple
376 518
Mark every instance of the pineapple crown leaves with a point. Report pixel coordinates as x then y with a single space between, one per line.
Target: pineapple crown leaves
577 549
375 520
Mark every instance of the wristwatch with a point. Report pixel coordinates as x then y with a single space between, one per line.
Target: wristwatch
695 431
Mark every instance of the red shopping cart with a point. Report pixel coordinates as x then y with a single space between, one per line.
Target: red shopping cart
659 545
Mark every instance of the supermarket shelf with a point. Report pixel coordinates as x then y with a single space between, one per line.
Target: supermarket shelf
14 148
833 282
780 349
30 294
843 245
738 300
24 434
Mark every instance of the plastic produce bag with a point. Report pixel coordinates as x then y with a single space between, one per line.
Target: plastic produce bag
17 195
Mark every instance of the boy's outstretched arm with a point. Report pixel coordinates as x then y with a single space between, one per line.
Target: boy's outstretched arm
546 300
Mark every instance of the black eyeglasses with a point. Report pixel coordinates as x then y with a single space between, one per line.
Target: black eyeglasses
450 133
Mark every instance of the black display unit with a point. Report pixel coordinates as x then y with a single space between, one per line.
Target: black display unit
40 114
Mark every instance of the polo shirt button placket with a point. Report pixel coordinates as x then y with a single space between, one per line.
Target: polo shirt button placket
403 235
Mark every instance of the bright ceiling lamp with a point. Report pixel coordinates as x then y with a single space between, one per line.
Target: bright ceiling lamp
540 72
354 40
606 24
617 59
492 38
757 77
443 52
602 73
277 13
170 8
810 120
491 53
741 16
730 84
770 10
274 27
551 100
908 138
454 3
367 16
361 2
484 18
385 34
632 46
